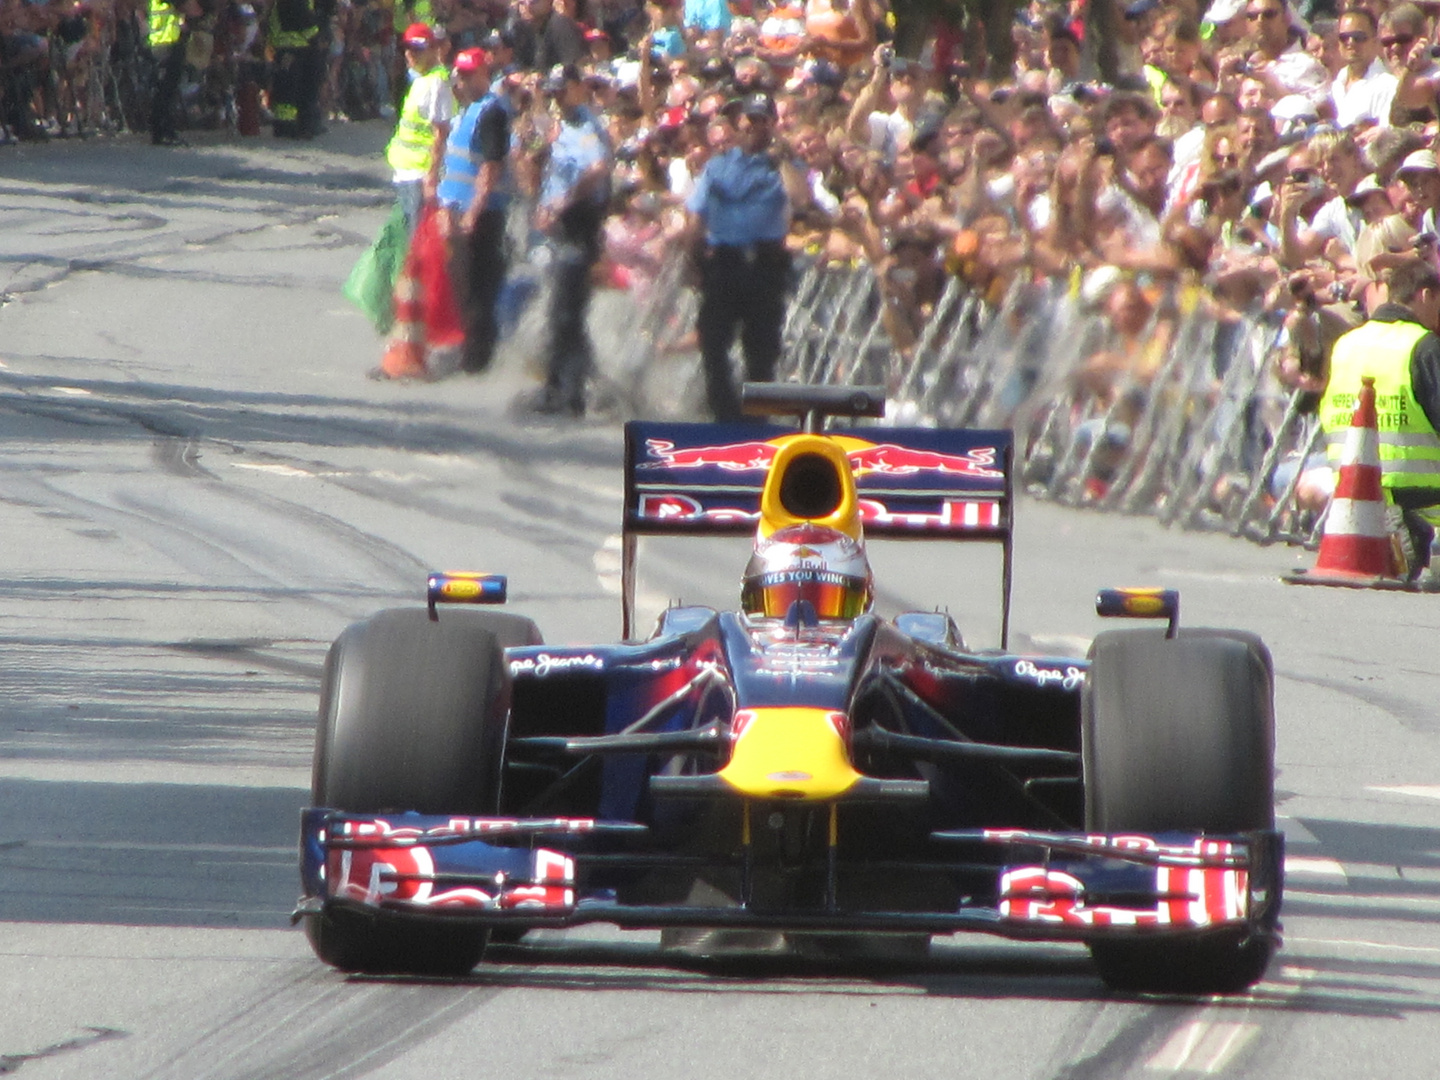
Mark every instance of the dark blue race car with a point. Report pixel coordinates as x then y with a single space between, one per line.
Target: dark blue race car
800 768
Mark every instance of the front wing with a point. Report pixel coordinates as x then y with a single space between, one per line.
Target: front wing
533 873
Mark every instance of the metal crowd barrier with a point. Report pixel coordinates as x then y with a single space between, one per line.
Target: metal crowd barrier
1206 438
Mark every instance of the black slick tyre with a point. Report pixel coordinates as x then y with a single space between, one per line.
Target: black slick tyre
413 716
1178 734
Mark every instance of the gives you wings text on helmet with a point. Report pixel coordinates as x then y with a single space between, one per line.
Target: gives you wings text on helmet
808 562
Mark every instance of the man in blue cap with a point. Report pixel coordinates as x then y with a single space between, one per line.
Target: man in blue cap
741 205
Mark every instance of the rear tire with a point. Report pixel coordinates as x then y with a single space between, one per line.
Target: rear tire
413 716
1178 735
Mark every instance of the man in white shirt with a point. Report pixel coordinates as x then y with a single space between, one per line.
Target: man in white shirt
1280 61
1363 89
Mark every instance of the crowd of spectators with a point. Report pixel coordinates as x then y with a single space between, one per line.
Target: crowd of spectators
79 67
1239 156
1255 156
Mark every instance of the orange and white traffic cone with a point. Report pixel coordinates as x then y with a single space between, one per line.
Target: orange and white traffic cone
1356 550
427 336
405 351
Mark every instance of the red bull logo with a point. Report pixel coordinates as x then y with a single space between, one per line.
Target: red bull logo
891 459
885 459
732 457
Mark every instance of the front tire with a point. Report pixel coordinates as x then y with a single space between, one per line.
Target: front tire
413 716
1178 735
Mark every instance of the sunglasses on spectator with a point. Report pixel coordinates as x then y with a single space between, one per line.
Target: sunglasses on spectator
1263 13
1353 37
1399 41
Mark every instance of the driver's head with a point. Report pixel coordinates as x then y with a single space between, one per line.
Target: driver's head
812 563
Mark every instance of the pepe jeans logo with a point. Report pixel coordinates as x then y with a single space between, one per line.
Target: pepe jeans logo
544 664
1068 678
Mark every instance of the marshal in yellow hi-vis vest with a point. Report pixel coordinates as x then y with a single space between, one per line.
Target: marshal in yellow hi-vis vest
165 24
413 143
291 26
1409 446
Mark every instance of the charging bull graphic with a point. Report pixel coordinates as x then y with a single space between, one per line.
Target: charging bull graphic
887 459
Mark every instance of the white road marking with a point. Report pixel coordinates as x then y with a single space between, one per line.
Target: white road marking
141 771
73 391
1202 1046
608 561
607 564
1423 791
1354 943
1223 577
271 467
1318 867
191 849
1059 644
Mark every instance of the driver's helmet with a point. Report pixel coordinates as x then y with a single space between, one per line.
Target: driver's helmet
807 562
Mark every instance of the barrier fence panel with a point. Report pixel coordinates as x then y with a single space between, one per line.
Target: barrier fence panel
1180 415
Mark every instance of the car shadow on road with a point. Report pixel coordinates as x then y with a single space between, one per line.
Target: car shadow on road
958 968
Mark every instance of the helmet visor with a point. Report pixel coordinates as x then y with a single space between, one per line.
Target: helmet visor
834 596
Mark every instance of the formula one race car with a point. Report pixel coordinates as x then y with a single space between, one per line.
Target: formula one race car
801 768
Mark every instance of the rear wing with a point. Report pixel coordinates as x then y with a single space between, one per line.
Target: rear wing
911 483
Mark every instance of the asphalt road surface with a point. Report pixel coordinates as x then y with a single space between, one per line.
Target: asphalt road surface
199 488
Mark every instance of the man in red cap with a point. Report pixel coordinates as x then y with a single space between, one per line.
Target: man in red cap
424 122
474 194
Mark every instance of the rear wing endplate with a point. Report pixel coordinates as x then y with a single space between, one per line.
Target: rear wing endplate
912 484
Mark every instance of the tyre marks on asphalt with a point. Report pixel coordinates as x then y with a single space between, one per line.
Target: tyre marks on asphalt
1151 1037
260 539
10 1063
1419 791
182 457
321 1026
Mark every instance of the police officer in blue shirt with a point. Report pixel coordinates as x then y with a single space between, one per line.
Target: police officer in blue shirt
741 203
571 211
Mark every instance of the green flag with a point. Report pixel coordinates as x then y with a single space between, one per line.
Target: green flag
371 284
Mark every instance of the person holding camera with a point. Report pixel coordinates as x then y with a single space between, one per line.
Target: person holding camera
1301 195
1279 59
885 111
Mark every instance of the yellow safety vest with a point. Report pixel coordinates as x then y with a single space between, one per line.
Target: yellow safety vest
413 143
1409 446
420 12
165 24
281 38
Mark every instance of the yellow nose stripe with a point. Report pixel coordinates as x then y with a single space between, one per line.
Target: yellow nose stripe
790 753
